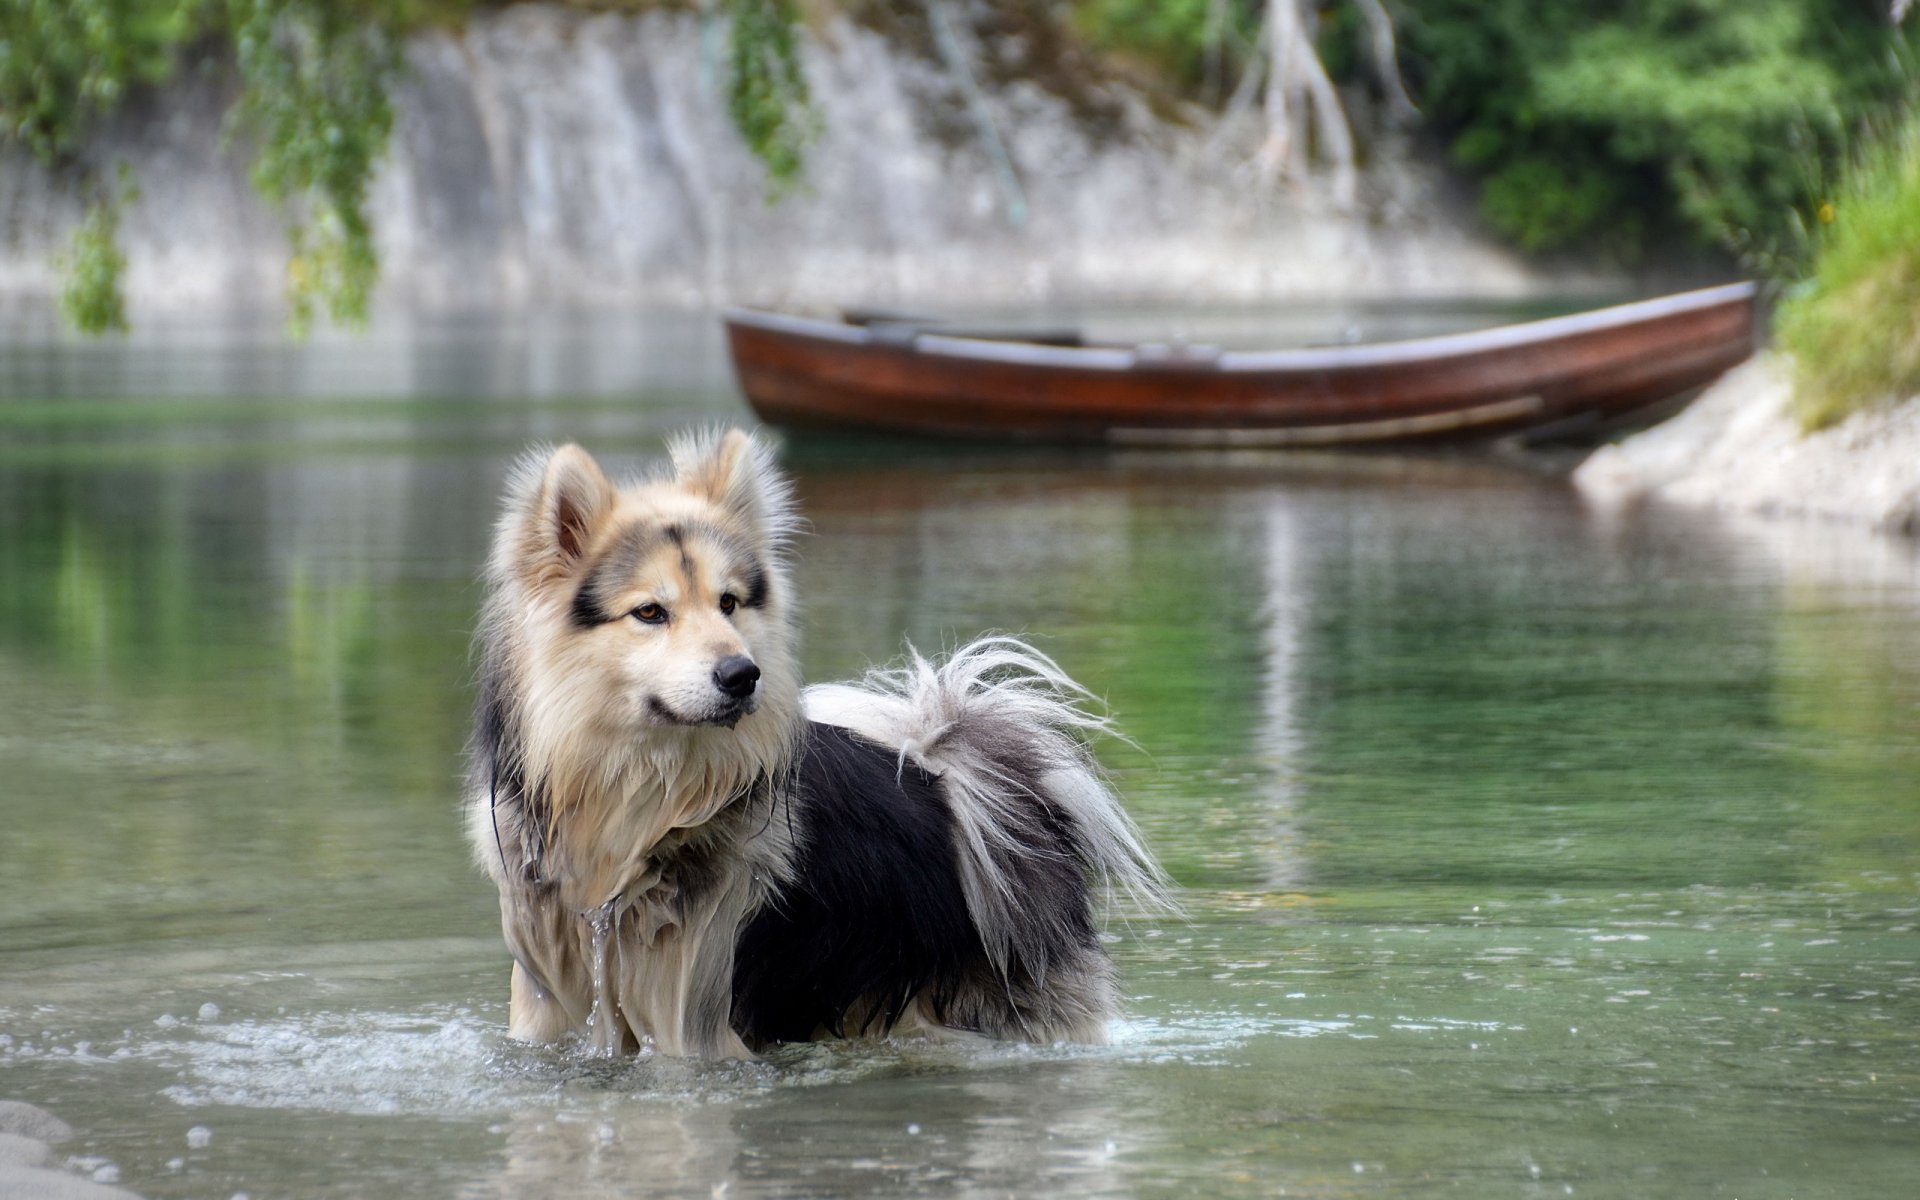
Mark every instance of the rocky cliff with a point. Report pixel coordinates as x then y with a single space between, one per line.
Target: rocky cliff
541 155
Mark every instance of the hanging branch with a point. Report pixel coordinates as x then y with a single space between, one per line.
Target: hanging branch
315 94
955 57
1401 109
1299 89
767 94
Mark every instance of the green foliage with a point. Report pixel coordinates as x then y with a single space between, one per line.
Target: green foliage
767 94
1541 204
92 299
1854 331
316 75
1620 126
1711 119
1177 36
63 62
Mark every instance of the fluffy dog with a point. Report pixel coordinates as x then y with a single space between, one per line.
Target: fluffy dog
695 855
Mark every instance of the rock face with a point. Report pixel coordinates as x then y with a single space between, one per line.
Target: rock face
542 155
1736 447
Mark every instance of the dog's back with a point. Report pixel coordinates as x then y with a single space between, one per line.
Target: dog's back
873 931
1017 835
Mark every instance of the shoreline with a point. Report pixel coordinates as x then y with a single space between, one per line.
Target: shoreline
1737 448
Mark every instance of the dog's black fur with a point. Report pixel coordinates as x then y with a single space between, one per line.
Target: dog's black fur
876 914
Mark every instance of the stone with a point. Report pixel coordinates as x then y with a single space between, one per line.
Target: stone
30 1121
1739 448
17 1151
33 1183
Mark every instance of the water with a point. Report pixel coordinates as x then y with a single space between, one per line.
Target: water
1527 850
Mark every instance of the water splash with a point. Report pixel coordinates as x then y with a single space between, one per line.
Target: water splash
604 1023
456 1061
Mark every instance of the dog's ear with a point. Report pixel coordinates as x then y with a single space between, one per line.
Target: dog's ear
736 473
572 500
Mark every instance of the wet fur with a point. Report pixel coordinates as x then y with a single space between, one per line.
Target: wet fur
705 873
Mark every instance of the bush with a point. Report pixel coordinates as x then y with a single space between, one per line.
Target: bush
1626 124
1854 329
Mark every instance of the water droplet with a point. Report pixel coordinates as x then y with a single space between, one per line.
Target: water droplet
107 1174
176 1164
209 1011
913 1130
199 1137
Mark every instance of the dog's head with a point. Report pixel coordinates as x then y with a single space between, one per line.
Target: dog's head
660 605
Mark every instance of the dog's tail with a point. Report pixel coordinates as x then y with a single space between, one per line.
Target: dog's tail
1005 730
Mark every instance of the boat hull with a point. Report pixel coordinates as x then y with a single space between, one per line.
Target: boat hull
1561 373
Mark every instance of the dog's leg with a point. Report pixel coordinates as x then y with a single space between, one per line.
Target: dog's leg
533 1014
709 973
678 982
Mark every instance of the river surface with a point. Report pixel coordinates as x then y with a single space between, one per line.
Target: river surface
1526 850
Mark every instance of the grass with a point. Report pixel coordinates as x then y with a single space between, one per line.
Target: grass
1854 330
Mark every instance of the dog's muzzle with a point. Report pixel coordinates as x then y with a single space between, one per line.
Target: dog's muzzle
736 676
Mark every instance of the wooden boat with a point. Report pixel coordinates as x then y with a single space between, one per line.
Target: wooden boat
1556 376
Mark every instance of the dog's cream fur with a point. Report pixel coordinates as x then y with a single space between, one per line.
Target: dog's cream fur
623 787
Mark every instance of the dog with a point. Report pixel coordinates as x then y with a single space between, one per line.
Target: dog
699 857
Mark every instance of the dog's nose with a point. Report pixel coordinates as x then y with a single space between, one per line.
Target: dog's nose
736 674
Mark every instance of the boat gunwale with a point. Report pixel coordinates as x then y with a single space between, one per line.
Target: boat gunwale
1404 352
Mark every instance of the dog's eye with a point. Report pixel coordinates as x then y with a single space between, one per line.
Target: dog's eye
729 602
652 614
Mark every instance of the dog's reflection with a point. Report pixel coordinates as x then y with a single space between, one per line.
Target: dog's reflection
647 1149
908 1127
